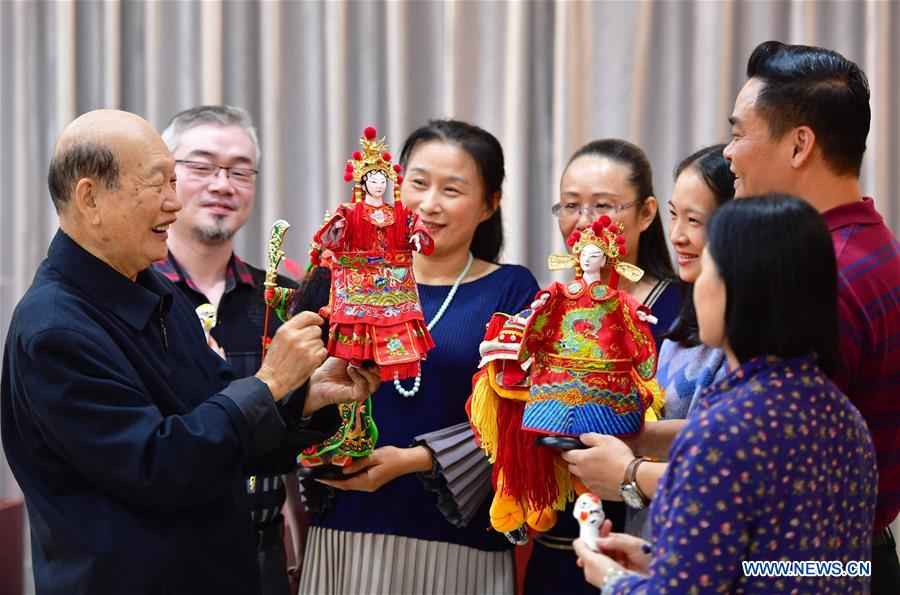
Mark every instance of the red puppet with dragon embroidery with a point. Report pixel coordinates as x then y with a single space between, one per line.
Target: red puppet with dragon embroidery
581 359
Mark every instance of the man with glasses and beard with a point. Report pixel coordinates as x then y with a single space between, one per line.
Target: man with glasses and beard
216 152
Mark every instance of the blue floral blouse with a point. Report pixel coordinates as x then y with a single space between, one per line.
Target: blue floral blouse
776 465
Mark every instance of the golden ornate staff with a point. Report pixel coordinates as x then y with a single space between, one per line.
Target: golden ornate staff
276 254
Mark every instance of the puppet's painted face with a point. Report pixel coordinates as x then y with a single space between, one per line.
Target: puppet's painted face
207 314
591 259
376 184
589 510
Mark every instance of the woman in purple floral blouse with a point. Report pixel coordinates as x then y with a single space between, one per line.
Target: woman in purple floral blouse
777 465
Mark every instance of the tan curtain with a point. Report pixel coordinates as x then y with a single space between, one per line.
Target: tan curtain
544 77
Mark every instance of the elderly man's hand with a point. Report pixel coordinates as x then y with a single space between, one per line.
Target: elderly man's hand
602 466
296 351
339 382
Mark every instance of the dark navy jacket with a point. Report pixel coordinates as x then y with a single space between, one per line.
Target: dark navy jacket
126 438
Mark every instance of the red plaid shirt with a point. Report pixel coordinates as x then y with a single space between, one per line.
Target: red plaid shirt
868 262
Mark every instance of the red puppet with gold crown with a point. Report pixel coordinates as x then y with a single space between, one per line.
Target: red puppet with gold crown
374 310
581 359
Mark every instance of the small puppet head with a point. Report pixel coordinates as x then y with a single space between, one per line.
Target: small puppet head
363 165
607 240
589 514
588 510
207 314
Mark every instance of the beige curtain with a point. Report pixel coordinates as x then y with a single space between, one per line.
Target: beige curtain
544 77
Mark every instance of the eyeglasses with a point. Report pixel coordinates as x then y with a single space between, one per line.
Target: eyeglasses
571 210
201 170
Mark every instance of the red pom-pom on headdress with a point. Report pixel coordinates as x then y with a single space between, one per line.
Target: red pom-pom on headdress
397 168
349 167
348 176
573 239
356 155
597 227
386 156
620 240
622 251
399 180
604 220
370 132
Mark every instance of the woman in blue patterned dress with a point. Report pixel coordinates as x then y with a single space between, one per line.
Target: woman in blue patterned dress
776 463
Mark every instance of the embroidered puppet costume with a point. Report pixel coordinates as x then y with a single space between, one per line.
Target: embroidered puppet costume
374 311
581 360
592 353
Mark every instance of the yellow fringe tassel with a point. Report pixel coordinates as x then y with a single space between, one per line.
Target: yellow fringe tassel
654 412
484 415
564 484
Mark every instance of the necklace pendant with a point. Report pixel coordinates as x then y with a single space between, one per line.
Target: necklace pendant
411 392
418 381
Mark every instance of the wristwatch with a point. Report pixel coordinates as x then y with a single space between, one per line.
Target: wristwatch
629 490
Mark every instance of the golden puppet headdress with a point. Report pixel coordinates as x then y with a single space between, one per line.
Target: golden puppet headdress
373 157
606 235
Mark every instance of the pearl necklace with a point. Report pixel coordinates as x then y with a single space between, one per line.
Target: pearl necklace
418 381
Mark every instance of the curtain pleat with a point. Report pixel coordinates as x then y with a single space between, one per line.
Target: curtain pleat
545 77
